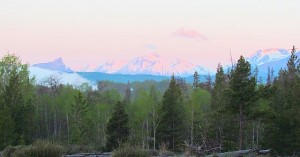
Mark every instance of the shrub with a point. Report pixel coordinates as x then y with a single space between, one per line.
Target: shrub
38 149
126 150
9 150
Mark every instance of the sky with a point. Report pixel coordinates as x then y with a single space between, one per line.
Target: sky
92 32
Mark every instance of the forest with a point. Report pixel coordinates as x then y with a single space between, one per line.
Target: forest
232 112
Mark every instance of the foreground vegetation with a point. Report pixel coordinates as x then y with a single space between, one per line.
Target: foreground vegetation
233 112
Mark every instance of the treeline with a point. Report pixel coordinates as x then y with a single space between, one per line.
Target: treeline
233 112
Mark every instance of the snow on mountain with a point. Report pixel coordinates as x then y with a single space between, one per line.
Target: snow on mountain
268 55
112 67
152 64
66 77
57 65
88 68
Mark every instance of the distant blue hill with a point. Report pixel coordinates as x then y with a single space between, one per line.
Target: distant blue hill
122 78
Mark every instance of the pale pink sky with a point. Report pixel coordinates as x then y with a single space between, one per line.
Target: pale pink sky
91 32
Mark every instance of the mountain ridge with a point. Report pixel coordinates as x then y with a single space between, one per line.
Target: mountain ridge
57 65
152 64
156 65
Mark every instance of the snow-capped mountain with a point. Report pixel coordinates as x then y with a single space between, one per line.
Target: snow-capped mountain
41 74
152 64
112 67
87 68
56 65
261 57
274 59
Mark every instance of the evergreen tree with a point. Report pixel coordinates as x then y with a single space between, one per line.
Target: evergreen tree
292 65
196 83
171 129
218 104
208 84
241 94
79 120
127 96
117 128
282 130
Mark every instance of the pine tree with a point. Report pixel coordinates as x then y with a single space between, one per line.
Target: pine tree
282 132
218 104
241 93
292 64
171 130
117 128
196 83
79 120
127 96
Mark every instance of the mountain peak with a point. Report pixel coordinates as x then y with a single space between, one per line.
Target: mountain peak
268 55
152 64
56 65
58 60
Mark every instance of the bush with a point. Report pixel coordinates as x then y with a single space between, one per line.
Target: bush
9 150
126 150
38 149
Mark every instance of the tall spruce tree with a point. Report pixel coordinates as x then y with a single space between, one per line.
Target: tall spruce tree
79 120
171 130
196 86
117 130
196 82
283 130
218 104
241 94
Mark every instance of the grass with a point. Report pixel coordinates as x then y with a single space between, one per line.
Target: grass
37 149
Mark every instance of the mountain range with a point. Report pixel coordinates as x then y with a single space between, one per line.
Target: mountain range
156 67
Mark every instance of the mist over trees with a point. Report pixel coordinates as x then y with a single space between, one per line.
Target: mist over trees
235 111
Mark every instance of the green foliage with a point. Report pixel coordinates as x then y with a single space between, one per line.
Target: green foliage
241 94
16 102
198 115
37 149
171 129
241 86
117 128
220 120
79 121
9 150
40 149
127 150
282 128
127 96
236 109
7 125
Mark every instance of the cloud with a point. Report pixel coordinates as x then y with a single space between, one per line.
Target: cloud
190 34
